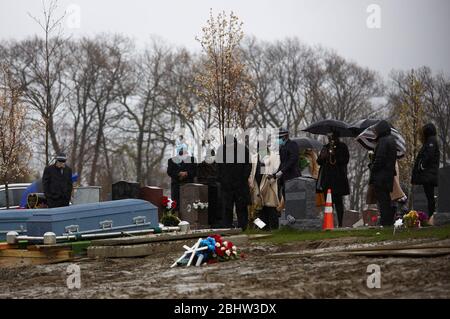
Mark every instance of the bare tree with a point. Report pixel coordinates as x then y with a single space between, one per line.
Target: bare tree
15 132
47 76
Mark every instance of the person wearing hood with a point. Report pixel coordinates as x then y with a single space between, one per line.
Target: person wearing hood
426 165
382 171
181 169
333 160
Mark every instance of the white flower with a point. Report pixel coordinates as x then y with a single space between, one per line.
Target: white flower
195 205
223 248
169 203
206 205
201 206
228 252
217 244
398 223
225 243
234 248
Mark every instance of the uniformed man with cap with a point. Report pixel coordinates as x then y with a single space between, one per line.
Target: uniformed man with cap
57 182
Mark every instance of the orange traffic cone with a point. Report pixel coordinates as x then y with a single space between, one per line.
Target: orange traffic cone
328 222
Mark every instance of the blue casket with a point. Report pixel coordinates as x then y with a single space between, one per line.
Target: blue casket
112 216
14 220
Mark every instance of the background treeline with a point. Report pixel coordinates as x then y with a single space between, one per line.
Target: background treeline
114 108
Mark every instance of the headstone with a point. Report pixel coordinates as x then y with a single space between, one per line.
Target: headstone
350 218
86 195
442 216
191 194
301 204
153 195
420 202
125 190
370 216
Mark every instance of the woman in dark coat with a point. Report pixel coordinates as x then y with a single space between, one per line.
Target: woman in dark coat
382 171
426 166
333 160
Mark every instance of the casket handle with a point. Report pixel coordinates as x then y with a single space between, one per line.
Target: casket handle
106 224
72 229
139 220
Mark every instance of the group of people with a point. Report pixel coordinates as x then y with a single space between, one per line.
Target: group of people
238 179
257 180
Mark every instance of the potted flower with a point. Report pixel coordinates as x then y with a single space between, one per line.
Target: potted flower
169 218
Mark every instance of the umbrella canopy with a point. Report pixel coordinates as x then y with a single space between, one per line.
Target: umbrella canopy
325 127
368 137
359 126
308 143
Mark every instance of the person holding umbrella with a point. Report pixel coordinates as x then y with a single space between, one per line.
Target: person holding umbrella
382 171
426 166
333 160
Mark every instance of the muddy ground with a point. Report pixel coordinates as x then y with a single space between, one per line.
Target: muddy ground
295 270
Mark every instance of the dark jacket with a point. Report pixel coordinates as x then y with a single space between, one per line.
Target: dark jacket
233 171
175 165
57 182
426 165
333 170
289 157
206 172
382 168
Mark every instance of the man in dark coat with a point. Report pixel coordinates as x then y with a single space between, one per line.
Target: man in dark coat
234 168
333 160
207 175
382 171
57 183
289 157
426 166
181 169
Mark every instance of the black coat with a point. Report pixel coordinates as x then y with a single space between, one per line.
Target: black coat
57 183
333 169
289 157
175 165
382 167
233 171
426 165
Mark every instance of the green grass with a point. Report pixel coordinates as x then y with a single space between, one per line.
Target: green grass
287 235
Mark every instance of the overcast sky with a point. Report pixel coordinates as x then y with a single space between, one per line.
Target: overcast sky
412 32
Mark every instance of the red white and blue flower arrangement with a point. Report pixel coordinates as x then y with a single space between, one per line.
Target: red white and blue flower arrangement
211 250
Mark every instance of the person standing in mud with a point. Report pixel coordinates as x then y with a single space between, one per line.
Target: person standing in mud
426 166
333 160
382 171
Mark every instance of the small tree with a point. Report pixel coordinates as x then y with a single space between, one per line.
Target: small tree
14 132
409 117
222 81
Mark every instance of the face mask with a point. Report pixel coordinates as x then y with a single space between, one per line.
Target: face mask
281 141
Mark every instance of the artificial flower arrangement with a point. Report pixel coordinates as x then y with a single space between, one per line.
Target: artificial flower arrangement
413 219
169 218
211 250
199 205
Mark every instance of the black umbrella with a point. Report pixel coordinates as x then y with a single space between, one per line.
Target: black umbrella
359 126
308 143
325 127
